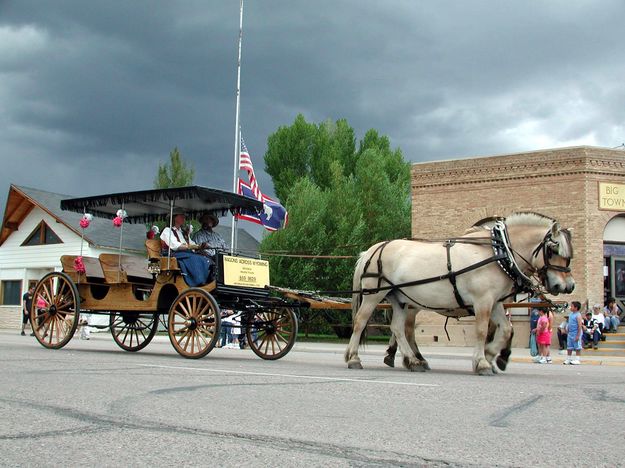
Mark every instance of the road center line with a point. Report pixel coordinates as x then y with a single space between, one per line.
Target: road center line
293 376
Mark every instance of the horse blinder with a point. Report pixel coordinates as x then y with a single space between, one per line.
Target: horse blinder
547 246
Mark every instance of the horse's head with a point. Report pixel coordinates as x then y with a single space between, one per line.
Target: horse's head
552 258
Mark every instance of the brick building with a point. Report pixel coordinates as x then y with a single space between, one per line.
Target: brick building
582 187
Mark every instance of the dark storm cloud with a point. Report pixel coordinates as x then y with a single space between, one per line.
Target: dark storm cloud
94 95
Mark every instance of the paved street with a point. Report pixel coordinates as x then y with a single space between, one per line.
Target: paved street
93 404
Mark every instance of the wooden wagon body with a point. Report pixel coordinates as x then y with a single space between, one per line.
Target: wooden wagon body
138 294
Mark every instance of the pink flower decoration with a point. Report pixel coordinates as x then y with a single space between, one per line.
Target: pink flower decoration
117 221
79 266
86 219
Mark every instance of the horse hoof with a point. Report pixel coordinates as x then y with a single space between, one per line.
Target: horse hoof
389 361
485 372
502 363
426 365
417 368
354 365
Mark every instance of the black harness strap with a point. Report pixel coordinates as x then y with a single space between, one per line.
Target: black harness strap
366 274
452 276
432 279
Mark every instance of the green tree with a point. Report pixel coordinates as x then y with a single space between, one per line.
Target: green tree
176 173
341 200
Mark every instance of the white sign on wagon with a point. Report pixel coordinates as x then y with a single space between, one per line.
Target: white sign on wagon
249 272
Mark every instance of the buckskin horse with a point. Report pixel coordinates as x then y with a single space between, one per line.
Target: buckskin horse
473 273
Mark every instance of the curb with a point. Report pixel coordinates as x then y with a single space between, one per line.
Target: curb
585 362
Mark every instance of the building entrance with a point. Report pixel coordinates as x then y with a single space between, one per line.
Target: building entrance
614 260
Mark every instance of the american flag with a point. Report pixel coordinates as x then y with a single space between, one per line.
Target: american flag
274 215
245 163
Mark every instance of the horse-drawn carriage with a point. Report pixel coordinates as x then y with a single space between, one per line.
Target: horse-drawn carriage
138 294
525 252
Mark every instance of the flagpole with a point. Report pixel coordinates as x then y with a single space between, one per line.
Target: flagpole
237 139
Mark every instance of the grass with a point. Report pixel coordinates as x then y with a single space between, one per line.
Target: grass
312 337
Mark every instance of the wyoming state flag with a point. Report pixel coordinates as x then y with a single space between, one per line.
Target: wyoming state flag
274 215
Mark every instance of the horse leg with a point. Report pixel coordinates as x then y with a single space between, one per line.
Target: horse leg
389 359
504 355
361 319
391 351
481 365
411 315
490 336
398 327
501 340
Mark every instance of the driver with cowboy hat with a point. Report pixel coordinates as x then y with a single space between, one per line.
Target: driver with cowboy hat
195 268
174 238
210 240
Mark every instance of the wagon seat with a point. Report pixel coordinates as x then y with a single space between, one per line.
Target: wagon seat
125 269
153 247
93 270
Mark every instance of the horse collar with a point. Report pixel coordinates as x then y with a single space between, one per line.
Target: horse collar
501 246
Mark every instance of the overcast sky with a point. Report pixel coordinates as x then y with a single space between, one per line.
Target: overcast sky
93 95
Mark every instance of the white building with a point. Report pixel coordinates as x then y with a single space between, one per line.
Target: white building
36 232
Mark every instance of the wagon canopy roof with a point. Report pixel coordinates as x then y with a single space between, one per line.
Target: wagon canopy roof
146 206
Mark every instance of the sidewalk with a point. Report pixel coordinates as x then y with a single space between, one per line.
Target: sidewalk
521 355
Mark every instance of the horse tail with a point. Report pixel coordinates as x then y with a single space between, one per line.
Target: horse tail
356 291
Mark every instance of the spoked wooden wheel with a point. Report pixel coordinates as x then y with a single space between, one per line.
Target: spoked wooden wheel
271 333
193 323
133 331
55 310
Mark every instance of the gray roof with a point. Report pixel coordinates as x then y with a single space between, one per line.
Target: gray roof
246 243
102 233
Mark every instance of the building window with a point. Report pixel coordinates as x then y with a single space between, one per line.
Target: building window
42 235
11 292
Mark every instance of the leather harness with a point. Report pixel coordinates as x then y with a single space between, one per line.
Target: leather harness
502 254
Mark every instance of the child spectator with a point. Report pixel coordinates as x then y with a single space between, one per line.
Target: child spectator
574 335
591 331
543 336
562 333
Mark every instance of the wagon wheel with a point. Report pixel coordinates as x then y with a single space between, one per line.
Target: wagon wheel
133 331
193 323
55 323
271 333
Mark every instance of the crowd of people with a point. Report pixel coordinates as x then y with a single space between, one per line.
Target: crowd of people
575 332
